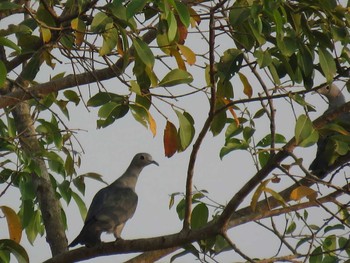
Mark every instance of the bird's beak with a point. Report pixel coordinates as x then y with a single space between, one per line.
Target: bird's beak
154 162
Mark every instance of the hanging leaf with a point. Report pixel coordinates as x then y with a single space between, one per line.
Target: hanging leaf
172 26
46 34
170 139
305 134
15 249
200 215
259 190
186 130
3 74
81 205
182 12
79 26
144 52
175 77
99 22
303 191
248 90
327 64
188 54
13 223
134 7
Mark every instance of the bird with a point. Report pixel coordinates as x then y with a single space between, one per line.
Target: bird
325 144
113 205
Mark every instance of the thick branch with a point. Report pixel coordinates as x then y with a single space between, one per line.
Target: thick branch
69 81
273 163
136 245
48 203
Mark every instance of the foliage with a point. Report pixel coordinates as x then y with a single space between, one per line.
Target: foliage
252 54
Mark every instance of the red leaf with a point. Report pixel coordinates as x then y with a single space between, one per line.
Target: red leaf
170 139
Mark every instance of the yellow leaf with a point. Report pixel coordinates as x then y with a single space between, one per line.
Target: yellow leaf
188 54
152 124
46 34
180 62
195 18
276 195
248 90
13 223
303 191
258 193
79 26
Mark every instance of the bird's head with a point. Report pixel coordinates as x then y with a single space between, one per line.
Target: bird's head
329 91
143 159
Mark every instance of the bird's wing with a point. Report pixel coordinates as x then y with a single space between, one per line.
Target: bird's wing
113 203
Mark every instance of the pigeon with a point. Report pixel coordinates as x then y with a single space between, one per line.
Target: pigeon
113 205
325 145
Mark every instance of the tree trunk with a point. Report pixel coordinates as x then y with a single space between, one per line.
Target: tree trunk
48 203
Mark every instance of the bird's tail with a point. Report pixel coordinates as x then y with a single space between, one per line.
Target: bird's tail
88 236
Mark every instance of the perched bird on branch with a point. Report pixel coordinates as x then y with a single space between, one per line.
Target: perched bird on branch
328 144
113 205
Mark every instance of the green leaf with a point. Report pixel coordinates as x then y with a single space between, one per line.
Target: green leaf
144 52
232 145
239 15
3 74
182 11
172 26
327 64
32 68
99 22
344 244
72 96
233 129
15 249
7 5
230 63
330 244
316 255
186 129
200 215
266 141
134 7
264 58
335 227
180 209
291 228
305 134
175 77
219 120
110 39
65 191
8 43
81 205
102 98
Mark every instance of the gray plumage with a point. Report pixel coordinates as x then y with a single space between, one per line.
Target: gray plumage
324 145
113 205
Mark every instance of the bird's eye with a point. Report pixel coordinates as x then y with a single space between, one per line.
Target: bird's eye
142 157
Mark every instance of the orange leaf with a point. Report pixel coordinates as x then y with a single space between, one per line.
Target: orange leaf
170 139
303 191
233 113
13 223
248 90
182 31
188 54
